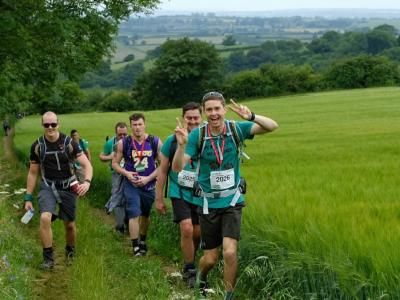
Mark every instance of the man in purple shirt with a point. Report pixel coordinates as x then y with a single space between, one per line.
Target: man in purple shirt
140 152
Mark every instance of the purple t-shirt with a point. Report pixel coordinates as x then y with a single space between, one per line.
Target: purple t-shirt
141 158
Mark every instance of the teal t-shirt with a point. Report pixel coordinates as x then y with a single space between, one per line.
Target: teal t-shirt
108 148
84 145
209 163
175 190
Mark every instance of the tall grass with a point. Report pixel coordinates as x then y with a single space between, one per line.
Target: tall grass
322 209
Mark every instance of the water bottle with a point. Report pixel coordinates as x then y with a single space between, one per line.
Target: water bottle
27 216
74 186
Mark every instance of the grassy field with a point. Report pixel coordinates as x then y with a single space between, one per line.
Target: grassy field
322 216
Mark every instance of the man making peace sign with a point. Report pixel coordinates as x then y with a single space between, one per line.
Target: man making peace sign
219 189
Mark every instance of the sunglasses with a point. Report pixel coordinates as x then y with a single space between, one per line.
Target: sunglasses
52 125
213 95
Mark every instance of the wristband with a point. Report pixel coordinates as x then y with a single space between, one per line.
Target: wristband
88 180
253 116
28 198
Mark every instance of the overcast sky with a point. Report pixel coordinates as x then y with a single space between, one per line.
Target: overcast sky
265 5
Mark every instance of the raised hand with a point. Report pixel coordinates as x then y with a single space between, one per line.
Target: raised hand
241 110
181 132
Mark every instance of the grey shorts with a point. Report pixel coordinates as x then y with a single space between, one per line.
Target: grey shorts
184 210
48 203
219 223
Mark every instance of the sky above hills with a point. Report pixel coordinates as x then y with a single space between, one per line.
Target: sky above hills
257 5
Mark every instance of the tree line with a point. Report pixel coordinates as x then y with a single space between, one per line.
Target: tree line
48 48
184 69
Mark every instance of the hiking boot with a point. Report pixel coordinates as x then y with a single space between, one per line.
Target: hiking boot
69 255
136 251
47 264
202 287
120 229
189 276
143 248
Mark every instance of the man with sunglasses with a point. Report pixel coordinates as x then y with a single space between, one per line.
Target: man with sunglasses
181 195
219 187
52 157
116 202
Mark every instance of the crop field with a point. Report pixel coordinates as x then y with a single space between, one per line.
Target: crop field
322 216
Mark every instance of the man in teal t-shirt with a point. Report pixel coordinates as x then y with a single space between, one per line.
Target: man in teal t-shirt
219 188
181 194
84 145
115 201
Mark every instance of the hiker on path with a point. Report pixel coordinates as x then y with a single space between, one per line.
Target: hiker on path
52 157
6 127
180 192
116 202
140 152
84 145
219 187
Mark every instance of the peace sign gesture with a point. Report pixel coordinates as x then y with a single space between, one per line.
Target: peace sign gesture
241 110
181 132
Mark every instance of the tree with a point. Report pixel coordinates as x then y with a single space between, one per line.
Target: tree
229 40
362 71
43 41
184 70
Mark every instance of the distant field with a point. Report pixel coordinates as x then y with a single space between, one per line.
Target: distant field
323 188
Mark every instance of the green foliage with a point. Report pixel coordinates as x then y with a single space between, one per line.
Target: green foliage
246 84
362 71
288 79
43 41
117 101
182 72
129 57
229 40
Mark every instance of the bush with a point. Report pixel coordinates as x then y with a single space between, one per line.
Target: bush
117 101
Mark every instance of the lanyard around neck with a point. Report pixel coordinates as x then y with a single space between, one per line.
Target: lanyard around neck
219 153
138 154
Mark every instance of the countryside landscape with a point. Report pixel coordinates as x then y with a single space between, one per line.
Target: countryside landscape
322 211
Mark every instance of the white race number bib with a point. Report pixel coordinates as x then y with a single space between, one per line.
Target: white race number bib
186 178
222 180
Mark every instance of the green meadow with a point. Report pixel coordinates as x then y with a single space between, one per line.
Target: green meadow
322 216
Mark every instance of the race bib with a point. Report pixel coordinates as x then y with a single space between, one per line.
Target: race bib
186 178
222 180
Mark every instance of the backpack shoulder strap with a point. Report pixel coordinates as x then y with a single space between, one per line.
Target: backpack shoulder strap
172 149
126 144
69 149
41 149
235 135
154 144
202 138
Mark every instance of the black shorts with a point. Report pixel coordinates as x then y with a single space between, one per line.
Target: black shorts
219 223
184 210
48 203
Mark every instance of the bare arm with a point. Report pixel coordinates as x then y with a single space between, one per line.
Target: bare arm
106 158
161 179
88 171
34 169
261 124
87 152
180 158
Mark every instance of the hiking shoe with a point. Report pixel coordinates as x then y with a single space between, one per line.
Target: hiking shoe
136 251
47 265
202 287
69 256
143 248
120 229
189 276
